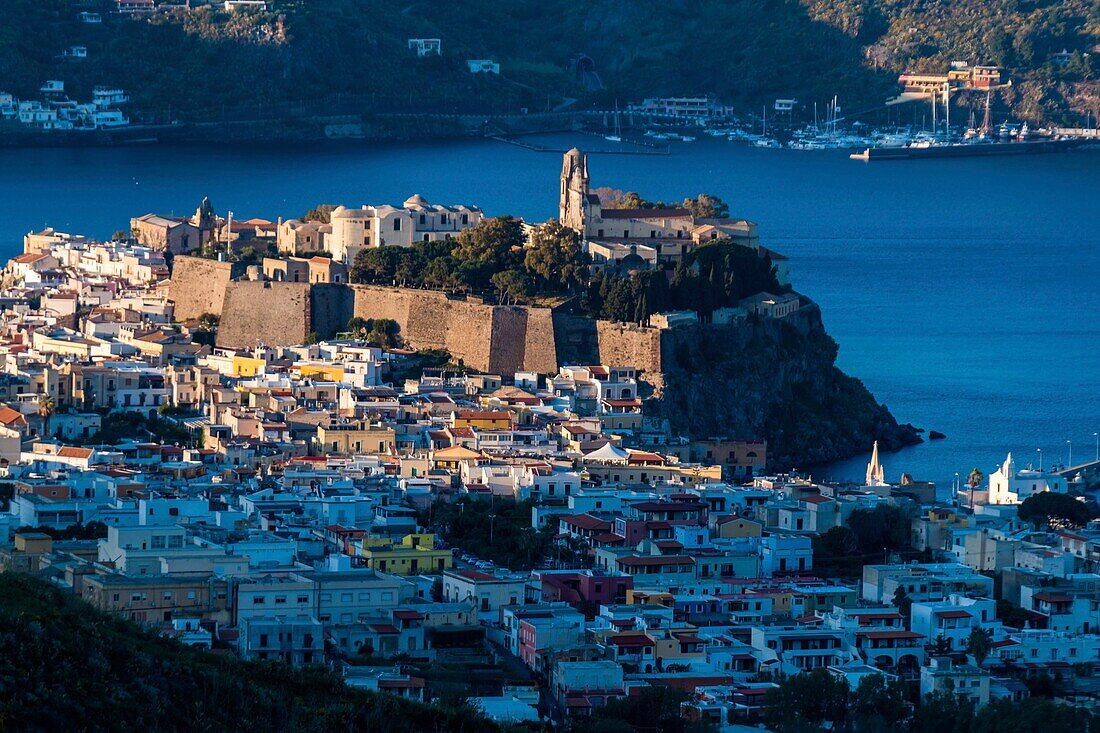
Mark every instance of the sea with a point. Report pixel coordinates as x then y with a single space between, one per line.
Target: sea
965 293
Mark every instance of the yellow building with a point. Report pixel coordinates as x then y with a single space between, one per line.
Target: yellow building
322 372
356 438
452 458
415 554
730 527
483 420
247 366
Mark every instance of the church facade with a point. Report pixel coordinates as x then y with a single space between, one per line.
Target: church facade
638 238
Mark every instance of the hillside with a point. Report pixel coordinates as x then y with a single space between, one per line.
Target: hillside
327 57
66 666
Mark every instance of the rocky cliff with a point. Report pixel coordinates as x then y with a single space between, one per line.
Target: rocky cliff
759 378
772 379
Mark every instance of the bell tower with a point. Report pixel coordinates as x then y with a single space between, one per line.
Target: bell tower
573 199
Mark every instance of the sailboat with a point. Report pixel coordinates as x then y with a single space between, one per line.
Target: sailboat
764 141
618 136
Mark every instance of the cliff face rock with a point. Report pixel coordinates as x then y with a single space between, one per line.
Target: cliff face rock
775 379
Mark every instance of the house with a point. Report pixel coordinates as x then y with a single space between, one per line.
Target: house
412 555
581 686
483 66
942 674
294 639
426 47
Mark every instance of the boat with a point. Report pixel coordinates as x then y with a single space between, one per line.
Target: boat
927 149
766 142
617 137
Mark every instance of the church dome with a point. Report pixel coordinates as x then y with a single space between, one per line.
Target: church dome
415 200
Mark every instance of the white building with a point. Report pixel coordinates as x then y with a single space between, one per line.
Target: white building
1007 485
414 221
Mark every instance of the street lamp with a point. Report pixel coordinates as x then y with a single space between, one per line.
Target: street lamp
1069 462
492 517
1097 437
1040 451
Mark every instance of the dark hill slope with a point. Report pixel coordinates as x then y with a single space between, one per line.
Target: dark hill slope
66 666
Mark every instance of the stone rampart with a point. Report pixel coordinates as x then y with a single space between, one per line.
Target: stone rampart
198 285
275 313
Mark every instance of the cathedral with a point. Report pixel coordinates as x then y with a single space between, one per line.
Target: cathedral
641 237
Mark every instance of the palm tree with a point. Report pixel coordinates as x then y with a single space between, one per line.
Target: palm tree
46 408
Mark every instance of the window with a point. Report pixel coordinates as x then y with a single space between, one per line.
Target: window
257 600
465 219
303 599
158 542
263 639
397 225
280 600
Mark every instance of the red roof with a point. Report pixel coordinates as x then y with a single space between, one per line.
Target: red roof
632 640
587 521
898 634
408 615
416 682
645 213
384 629
952 614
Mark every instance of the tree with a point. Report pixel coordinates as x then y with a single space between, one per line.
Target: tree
974 480
358 326
1059 511
815 697
555 257
490 247
321 213
312 338
208 323
943 712
46 408
903 603
511 284
836 552
878 704
705 206
886 527
436 591
979 644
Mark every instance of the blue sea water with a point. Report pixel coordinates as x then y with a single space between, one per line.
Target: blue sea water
965 293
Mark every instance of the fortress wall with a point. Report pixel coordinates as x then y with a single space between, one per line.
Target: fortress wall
627 345
198 285
509 340
488 338
331 307
540 348
276 313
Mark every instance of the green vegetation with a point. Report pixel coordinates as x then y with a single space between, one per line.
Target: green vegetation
79 531
1060 511
817 701
715 275
118 426
498 531
381 331
868 534
652 709
66 666
491 257
486 258
205 64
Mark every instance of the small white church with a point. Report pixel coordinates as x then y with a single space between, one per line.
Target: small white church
1009 485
